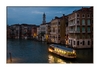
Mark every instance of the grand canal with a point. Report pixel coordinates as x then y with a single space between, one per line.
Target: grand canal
30 51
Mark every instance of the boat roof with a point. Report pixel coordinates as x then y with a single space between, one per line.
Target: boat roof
62 47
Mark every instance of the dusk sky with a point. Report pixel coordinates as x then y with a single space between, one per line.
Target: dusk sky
33 15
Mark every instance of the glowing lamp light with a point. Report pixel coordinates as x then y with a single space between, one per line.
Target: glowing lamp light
50 50
46 36
74 51
34 34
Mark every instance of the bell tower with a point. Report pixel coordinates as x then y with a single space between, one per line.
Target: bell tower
44 17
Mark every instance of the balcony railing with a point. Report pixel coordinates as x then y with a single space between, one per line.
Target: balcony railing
84 24
77 32
83 31
71 24
88 24
71 31
88 31
53 32
78 23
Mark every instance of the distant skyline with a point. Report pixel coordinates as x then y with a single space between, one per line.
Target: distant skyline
34 14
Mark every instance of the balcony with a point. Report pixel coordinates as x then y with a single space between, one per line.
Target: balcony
83 24
83 31
53 32
77 32
88 31
88 24
71 31
73 24
78 23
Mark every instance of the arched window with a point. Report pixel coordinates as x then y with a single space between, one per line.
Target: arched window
83 15
74 42
77 42
83 42
78 15
88 42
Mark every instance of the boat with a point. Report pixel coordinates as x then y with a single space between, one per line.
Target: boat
62 51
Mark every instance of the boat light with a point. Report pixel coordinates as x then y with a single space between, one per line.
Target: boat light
74 51
50 50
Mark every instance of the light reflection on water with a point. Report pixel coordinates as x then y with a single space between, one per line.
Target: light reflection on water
54 59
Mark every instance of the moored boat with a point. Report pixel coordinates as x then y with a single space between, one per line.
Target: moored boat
62 51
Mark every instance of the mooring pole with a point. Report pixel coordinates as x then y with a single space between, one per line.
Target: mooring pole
10 57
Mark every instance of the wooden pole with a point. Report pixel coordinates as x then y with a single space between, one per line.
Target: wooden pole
10 57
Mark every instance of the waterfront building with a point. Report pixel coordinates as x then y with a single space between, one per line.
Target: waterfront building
47 31
34 31
8 32
43 31
38 32
28 31
80 28
67 31
58 29
54 34
25 31
15 31
22 31
63 23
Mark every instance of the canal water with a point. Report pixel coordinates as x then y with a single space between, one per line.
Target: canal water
30 51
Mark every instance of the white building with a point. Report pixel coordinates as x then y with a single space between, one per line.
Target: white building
43 31
38 30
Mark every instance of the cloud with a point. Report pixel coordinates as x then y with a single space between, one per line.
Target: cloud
59 12
37 12
13 9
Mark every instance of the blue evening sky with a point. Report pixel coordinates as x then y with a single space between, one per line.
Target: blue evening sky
33 15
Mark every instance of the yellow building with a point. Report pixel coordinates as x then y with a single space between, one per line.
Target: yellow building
63 22
58 29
